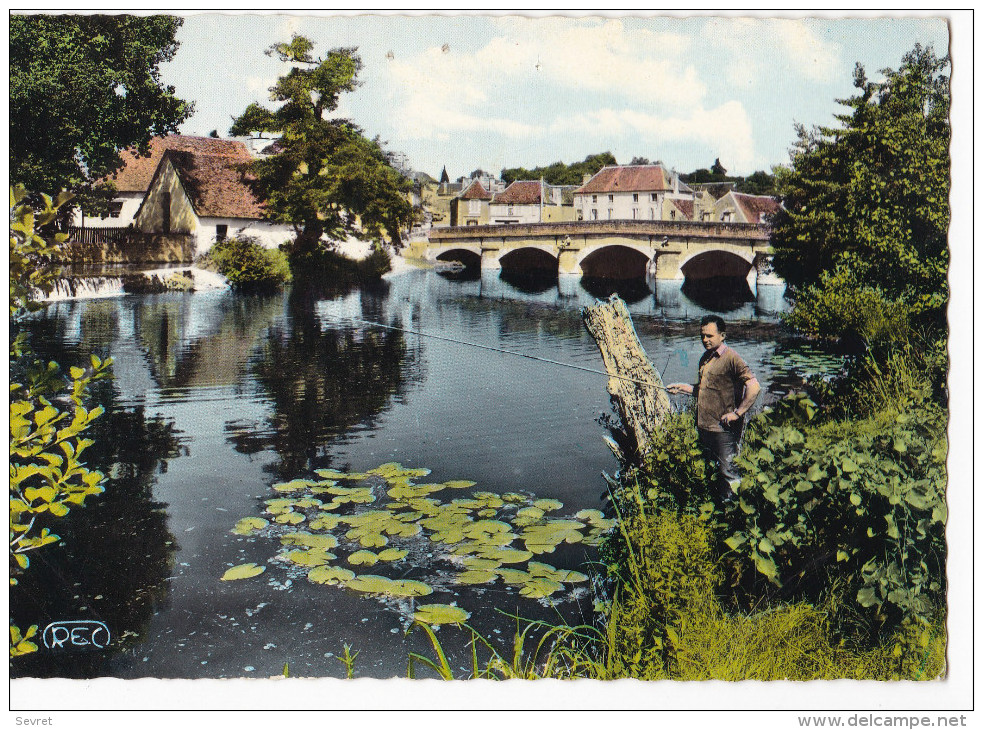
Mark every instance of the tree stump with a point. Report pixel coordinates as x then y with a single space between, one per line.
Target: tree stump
639 397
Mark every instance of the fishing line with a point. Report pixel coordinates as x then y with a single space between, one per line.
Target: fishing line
503 351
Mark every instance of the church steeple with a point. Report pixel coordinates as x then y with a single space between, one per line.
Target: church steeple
444 177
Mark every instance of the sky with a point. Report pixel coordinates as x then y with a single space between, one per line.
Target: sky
476 91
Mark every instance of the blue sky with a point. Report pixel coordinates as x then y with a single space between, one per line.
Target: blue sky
471 91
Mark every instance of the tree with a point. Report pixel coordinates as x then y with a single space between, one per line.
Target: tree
639 161
866 207
326 173
560 174
717 168
82 88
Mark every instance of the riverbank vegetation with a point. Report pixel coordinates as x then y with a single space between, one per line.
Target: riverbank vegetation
247 264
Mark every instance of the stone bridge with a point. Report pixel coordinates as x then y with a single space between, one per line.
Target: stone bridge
620 249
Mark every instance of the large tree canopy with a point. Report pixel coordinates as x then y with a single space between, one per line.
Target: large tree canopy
866 208
82 88
325 172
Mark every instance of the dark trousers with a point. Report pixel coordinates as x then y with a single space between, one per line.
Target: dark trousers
723 446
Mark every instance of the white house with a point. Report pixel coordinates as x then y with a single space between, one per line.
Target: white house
629 192
206 195
529 201
132 180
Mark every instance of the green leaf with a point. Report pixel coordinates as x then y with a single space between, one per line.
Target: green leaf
438 613
240 572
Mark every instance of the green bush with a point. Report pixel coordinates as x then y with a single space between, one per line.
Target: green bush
326 267
248 265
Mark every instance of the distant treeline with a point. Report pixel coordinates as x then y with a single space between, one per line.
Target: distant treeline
559 173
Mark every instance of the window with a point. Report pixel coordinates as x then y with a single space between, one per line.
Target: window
471 222
652 213
634 212
580 215
672 215
705 216
221 232
610 214
115 208
653 197
165 212
593 198
634 197
610 198
727 217
593 214
511 210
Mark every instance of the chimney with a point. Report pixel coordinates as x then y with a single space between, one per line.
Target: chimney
587 177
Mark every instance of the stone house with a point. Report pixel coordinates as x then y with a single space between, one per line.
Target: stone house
631 192
743 208
470 208
205 194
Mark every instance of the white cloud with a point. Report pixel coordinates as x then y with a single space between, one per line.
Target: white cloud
441 91
782 45
726 128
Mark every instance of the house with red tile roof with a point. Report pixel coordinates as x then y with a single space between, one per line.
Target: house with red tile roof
530 201
743 208
204 191
470 208
133 179
630 192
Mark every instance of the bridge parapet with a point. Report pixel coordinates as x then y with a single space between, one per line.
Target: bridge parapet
674 229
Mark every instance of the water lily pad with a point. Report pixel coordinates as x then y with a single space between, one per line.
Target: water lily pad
506 555
547 505
294 486
324 522
290 518
511 575
279 506
394 470
307 503
474 577
249 525
530 513
391 554
590 515
402 530
540 588
406 587
459 484
439 613
306 539
363 557
373 540
310 558
476 563
515 497
370 584
246 570
330 575
486 512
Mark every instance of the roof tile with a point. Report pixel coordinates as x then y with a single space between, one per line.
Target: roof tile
138 171
627 179
520 192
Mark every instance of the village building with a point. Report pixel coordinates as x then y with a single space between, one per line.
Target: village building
632 192
743 208
204 192
471 207
531 201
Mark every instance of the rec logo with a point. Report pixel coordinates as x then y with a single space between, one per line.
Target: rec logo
76 635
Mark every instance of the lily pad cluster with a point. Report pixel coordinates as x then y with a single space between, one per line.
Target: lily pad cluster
388 518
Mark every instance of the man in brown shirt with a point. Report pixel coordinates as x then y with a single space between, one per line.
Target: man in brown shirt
725 391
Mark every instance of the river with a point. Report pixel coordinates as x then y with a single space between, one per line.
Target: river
218 398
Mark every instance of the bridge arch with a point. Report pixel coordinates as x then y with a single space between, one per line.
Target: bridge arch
616 261
530 258
470 256
716 263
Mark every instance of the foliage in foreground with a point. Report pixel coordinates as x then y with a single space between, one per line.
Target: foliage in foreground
248 265
48 411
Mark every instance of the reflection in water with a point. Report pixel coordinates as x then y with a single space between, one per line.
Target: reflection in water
322 381
631 291
116 553
718 293
529 282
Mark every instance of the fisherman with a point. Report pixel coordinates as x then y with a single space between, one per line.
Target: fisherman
725 391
